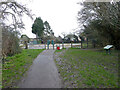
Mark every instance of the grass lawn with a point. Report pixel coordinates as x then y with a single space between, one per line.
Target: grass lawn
15 66
89 68
59 50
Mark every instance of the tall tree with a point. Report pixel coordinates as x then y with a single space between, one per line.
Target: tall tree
103 17
48 31
38 27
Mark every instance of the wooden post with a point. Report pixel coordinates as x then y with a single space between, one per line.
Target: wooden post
87 42
52 42
62 44
53 46
94 45
80 40
81 44
48 42
26 45
45 45
56 46
71 44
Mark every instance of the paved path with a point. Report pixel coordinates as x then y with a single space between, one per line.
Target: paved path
43 73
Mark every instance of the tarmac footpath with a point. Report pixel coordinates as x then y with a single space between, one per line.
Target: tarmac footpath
43 73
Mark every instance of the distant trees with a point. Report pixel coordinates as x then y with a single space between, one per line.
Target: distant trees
71 37
67 38
101 22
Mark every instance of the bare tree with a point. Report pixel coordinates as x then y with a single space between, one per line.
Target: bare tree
10 9
11 13
103 17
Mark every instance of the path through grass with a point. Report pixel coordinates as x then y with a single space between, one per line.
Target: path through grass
15 66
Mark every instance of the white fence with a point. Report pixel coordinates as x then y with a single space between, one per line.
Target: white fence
44 46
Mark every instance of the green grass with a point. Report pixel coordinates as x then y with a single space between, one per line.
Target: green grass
15 67
89 68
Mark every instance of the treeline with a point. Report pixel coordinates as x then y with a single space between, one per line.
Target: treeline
67 38
100 23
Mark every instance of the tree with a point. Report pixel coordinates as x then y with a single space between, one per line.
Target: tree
48 32
11 10
64 35
47 28
38 27
102 18
71 37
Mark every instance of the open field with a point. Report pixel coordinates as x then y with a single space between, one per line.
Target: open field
88 68
15 67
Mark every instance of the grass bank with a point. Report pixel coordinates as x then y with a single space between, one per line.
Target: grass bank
60 50
88 68
15 67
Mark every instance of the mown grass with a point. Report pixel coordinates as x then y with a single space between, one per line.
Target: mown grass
89 68
15 67
60 50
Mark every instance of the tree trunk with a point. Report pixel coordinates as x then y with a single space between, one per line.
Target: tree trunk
71 44
62 44
26 45
94 44
53 46
0 44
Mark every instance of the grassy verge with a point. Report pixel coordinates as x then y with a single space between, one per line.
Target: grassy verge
15 66
89 68
60 50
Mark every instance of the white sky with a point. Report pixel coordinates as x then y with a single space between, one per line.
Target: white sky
61 15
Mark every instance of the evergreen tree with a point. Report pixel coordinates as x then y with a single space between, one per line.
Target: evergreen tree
38 27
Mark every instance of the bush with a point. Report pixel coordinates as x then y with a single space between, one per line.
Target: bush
10 43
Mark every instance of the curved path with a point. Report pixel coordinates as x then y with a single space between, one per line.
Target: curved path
43 73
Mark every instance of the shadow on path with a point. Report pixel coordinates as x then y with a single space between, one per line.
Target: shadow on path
43 73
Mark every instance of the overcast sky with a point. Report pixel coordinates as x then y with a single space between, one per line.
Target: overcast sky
61 14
